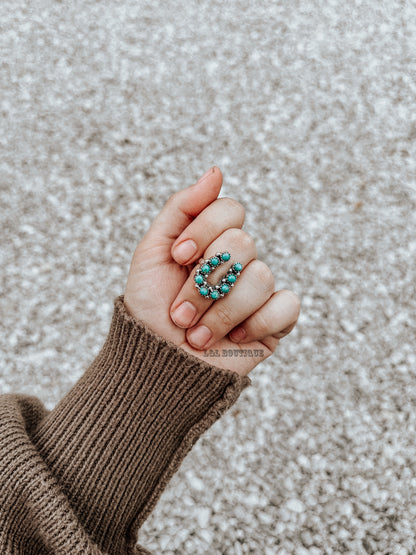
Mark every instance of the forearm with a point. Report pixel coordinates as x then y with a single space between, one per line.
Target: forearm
115 440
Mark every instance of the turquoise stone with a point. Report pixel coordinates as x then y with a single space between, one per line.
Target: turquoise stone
224 285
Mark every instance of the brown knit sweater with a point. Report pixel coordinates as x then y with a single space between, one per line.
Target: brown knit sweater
82 478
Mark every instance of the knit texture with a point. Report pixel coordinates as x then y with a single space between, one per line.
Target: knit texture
83 477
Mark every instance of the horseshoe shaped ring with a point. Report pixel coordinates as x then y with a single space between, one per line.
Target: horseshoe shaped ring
225 283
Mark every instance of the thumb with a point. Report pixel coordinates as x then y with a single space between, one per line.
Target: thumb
182 207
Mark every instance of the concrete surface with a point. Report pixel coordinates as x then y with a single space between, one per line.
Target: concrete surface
308 108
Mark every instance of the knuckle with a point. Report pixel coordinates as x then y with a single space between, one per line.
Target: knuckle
262 325
225 317
293 300
173 199
263 276
234 206
241 238
232 235
247 242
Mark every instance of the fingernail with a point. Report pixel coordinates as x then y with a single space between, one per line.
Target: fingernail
206 174
199 337
184 314
285 332
185 250
238 334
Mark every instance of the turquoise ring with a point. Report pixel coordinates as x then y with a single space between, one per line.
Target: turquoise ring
225 283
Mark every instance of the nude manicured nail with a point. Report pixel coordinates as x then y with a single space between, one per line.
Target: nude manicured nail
238 334
286 331
185 250
184 314
199 336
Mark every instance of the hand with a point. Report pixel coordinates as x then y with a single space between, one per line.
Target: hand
161 291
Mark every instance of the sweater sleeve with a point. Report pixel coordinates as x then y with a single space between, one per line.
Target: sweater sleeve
82 478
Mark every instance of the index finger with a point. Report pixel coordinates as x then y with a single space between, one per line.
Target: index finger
182 207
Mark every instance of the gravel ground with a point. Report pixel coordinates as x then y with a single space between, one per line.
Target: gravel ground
308 108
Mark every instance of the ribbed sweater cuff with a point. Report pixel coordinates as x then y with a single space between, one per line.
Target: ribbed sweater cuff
118 436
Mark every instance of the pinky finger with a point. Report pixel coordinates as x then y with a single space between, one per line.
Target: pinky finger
271 322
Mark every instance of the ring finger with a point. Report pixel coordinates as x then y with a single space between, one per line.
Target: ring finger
256 285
